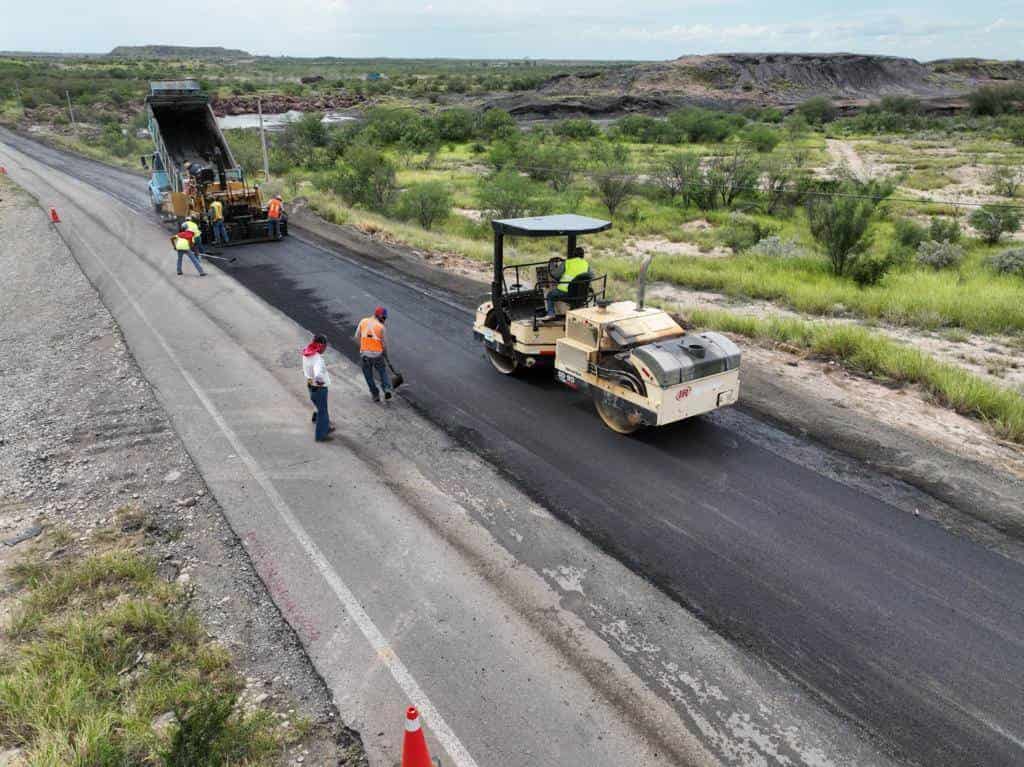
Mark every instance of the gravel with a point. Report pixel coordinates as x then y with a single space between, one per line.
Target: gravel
83 440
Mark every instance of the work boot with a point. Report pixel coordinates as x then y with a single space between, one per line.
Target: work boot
387 395
313 419
328 438
376 398
332 428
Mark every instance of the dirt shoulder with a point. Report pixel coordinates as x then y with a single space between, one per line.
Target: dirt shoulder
955 459
85 445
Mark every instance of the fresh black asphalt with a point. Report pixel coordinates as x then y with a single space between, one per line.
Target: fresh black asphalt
912 633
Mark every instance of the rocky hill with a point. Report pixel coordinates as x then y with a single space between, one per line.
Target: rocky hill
212 52
766 79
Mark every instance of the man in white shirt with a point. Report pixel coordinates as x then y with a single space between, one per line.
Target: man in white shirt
317 381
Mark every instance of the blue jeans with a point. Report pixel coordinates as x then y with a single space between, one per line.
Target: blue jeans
191 257
553 295
274 228
220 232
318 396
371 364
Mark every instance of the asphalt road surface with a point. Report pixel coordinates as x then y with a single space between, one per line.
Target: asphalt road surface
913 633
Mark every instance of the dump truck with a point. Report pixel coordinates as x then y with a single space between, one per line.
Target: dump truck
639 365
192 165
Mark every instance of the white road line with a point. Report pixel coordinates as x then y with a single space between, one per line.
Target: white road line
459 754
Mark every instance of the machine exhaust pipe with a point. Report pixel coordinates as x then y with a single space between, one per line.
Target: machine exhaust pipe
641 280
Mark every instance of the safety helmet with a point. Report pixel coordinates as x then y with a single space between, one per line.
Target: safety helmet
380 313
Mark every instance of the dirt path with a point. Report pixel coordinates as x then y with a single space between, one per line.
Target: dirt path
844 154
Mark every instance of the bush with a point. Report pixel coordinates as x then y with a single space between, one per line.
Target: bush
909 233
867 270
761 138
506 194
992 221
426 203
817 111
677 174
939 255
578 130
742 232
994 100
614 184
368 178
1015 132
1008 262
497 123
704 125
944 229
840 226
456 125
775 247
1005 178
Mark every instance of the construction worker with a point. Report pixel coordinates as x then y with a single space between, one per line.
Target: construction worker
182 243
574 267
220 231
275 210
197 234
317 381
372 351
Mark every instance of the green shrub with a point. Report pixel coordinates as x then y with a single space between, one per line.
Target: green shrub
944 229
578 130
506 194
1008 262
761 138
992 221
817 110
775 247
1005 178
743 232
994 100
551 162
840 226
367 179
702 126
456 125
426 203
939 255
497 123
909 233
867 270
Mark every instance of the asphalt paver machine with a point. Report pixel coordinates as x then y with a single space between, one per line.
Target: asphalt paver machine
639 366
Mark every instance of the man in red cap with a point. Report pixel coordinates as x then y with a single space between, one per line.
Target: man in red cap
317 381
372 348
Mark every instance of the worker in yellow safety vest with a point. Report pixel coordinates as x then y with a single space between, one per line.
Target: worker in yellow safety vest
182 243
197 234
220 231
575 266
373 351
275 212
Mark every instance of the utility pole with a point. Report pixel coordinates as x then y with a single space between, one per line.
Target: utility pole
263 140
71 111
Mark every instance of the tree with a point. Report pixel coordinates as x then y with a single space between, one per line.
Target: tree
733 175
1005 178
553 163
818 110
839 225
506 194
777 179
456 125
992 221
427 203
368 178
676 175
497 123
761 138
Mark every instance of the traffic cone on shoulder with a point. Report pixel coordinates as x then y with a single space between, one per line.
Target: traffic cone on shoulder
414 747
53 216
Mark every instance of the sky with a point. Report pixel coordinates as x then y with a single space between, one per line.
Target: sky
572 29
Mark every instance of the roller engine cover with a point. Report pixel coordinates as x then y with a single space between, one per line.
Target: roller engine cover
688 358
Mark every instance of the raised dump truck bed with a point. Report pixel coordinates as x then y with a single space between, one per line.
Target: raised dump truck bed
192 165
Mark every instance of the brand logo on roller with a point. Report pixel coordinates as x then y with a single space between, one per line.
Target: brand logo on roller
683 393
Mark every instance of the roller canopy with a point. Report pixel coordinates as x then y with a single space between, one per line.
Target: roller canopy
550 226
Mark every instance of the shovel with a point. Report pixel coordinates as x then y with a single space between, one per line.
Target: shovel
229 259
397 379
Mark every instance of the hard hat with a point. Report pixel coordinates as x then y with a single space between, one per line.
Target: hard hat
277 197
380 313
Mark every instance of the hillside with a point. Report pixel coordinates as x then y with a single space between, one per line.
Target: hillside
210 53
777 79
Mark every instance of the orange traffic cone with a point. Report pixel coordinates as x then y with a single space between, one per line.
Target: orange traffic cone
414 747
53 216
3 170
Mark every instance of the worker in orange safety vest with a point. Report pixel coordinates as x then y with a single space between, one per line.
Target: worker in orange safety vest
275 211
372 351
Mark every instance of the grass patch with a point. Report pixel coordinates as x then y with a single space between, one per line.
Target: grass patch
863 351
97 649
